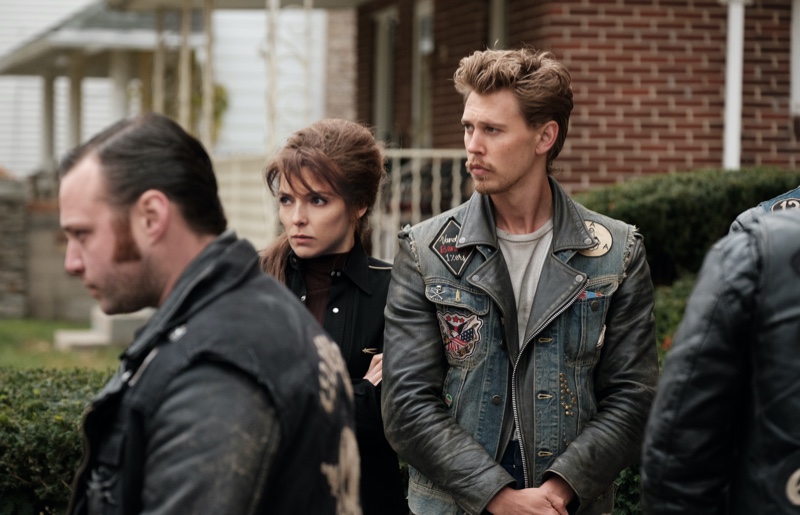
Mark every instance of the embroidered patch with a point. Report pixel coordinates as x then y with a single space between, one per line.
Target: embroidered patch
444 246
787 203
460 333
602 239
790 488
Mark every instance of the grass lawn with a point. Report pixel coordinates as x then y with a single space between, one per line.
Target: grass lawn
26 343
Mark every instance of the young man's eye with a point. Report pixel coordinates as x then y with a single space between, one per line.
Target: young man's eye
467 127
491 130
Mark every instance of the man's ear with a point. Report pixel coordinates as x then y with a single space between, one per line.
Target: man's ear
547 138
152 213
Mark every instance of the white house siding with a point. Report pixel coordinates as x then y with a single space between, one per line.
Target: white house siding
240 66
21 97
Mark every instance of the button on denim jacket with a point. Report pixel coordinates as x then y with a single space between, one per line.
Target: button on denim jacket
458 378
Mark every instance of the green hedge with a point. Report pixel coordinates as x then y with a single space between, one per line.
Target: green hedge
682 214
40 446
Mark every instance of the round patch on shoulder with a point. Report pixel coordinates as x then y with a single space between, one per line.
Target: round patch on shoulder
788 484
602 239
787 203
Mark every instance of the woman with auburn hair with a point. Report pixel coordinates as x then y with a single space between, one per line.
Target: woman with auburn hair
326 179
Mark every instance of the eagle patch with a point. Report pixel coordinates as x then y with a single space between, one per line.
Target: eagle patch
460 333
444 246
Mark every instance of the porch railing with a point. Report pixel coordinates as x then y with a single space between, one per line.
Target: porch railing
420 183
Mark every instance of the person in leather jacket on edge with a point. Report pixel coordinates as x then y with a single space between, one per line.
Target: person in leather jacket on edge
724 436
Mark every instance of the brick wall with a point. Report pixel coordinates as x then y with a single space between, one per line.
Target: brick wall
768 135
648 77
13 249
340 81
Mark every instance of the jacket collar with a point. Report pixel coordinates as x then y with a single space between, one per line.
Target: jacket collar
220 267
569 230
356 268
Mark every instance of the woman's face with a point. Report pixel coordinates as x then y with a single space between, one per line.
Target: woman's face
316 221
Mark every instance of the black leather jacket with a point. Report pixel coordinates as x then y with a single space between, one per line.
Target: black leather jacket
354 319
231 400
724 432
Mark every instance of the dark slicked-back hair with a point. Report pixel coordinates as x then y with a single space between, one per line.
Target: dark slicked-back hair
151 152
541 84
338 153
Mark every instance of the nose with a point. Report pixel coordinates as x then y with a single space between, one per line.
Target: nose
73 263
299 214
472 142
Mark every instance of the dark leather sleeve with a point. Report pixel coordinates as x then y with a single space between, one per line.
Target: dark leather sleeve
624 386
690 446
416 422
210 444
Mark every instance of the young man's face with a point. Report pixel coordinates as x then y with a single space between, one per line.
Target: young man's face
100 247
500 145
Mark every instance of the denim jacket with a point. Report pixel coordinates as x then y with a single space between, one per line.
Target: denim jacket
458 378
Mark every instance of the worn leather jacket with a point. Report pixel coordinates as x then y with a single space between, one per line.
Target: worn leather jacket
232 399
724 433
788 200
458 378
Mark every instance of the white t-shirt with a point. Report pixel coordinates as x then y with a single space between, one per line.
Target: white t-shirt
524 255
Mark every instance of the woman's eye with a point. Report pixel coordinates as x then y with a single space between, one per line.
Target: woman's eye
283 199
319 201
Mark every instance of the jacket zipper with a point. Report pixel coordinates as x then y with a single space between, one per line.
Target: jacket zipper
514 380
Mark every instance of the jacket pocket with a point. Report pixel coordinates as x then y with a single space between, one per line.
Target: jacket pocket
461 313
584 331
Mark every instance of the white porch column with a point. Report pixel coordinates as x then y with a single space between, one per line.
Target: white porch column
732 142
75 73
119 70
158 64
273 11
794 60
47 148
185 70
208 78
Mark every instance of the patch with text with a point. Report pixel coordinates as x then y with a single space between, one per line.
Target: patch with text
444 246
602 240
787 203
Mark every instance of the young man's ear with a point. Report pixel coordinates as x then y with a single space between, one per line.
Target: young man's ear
152 214
548 133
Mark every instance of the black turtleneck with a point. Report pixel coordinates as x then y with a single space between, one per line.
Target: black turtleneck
317 273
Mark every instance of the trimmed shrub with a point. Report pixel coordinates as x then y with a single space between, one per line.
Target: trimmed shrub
682 214
40 443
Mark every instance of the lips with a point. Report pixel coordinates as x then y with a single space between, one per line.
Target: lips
477 168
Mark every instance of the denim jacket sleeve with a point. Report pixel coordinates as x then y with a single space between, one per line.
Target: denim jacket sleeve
624 387
416 421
